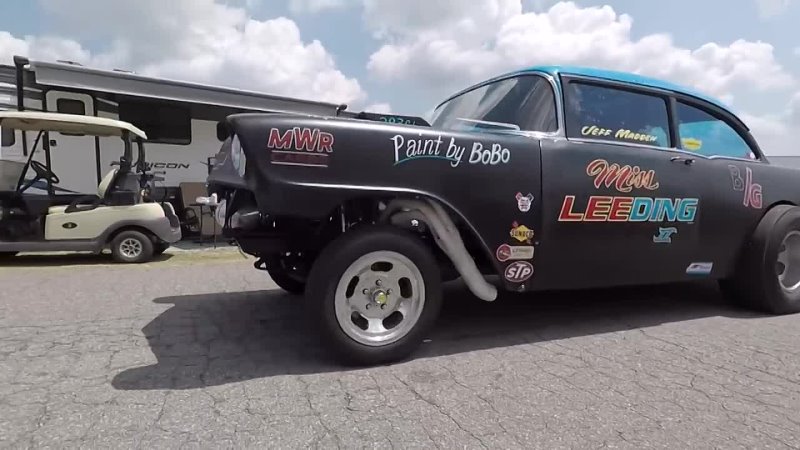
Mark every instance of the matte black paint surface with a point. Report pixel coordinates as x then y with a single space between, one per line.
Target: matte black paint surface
568 254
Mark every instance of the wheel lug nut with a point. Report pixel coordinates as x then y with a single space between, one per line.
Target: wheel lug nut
377 282
365 291
388 292
367 305
383 306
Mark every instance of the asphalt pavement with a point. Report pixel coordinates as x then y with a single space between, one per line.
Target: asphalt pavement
200 350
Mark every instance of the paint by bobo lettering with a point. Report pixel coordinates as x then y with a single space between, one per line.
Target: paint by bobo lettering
605 208
410 149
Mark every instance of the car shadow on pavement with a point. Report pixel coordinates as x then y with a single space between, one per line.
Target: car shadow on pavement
213 339
71 259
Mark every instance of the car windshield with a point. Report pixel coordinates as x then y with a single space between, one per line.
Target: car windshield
523 102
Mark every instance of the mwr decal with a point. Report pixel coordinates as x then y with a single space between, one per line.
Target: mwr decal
623 178
300 147
410 149
518 271
512 253
521 233
751 190
664 235
601 208
524 201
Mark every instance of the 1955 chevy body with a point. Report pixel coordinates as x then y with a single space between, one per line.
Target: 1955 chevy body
544 178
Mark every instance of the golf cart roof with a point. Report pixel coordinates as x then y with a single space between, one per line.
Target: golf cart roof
66 123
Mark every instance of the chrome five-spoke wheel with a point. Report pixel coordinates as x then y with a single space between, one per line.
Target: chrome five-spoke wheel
379 298
376 292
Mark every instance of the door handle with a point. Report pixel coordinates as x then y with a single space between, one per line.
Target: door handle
687 161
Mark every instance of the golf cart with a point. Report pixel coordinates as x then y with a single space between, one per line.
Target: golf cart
33 218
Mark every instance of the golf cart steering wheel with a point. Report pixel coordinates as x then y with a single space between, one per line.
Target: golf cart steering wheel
42 173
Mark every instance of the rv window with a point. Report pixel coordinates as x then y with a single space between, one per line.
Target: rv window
70 106
164 124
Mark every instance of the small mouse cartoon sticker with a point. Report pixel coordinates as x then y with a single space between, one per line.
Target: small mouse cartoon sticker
524 201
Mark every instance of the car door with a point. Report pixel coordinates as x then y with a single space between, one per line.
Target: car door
728 170
621 206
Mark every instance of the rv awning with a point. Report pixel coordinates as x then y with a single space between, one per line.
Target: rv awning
71 76
66 123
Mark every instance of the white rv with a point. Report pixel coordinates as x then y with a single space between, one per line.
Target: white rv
179 118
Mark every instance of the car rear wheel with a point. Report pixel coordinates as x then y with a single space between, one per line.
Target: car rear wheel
281 270
768 275
375 293
131 246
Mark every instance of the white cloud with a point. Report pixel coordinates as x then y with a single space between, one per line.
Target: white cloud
315 6
771 8
776 133
194 40
465 45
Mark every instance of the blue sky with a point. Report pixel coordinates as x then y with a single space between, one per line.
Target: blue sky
405 56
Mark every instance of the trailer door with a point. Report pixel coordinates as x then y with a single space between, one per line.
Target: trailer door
72 157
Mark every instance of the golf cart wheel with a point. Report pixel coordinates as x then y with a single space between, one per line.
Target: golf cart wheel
283 276
375 293
768 275
131 246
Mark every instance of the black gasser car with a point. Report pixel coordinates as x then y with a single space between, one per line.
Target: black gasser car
546 178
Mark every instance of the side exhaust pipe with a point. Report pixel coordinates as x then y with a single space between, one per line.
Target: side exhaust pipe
449 240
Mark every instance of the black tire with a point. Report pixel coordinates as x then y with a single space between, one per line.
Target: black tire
332 264
755 283
129 236
160 247
281 276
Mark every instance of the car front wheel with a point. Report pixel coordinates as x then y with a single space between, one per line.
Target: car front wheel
375 292
768 275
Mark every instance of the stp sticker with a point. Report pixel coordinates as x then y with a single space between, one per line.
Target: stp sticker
518 271
507 252
524 201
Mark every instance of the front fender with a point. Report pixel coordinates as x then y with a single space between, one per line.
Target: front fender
305 167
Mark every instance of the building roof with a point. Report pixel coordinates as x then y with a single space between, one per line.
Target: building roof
625 77
66 123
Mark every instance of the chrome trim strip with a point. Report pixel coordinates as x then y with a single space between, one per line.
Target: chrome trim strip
663 149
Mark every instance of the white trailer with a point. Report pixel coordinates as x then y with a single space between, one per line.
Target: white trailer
179 118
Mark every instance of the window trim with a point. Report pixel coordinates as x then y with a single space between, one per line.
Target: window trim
725 117
642 90
560 124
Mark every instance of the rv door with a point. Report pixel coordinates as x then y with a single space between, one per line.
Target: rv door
72 156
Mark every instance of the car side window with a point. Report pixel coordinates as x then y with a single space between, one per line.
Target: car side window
705 134
526 102
616 115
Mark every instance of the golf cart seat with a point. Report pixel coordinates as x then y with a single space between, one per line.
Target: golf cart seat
115 189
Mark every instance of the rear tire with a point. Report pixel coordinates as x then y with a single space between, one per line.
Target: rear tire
131 247
375 293
767 277
282 276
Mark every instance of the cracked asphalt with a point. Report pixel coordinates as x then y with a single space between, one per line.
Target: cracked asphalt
201 351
